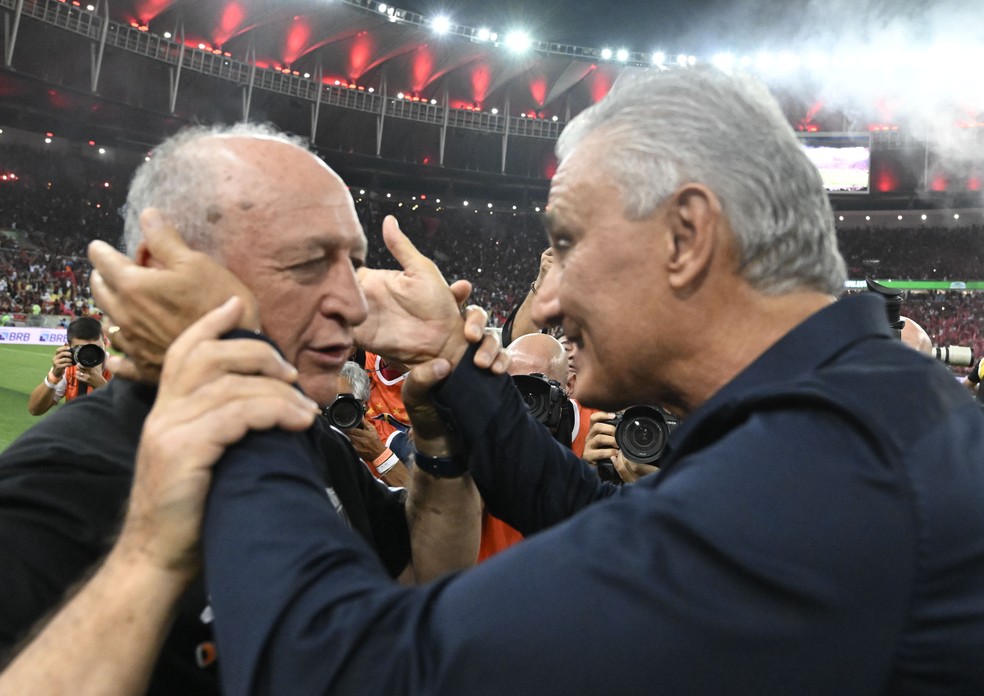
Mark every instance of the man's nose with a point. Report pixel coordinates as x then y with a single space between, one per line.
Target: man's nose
546 301
345 298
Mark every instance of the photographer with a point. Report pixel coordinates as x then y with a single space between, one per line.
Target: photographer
384 463
77 367
602 447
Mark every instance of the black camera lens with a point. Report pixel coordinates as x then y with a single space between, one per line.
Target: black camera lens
544 397
88 355
641 433
345 412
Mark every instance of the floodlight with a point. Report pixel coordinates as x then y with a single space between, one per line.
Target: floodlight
382 7
622 55
399 95
606 54
681 60
465 203
956 216
441 24
723 61
691 60
494 111
555 118
489 205
47 141
518 41
923 216
102 151
483 34
659 58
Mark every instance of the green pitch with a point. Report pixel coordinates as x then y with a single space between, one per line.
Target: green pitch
21 369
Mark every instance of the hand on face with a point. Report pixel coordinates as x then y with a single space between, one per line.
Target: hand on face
211 393
152 306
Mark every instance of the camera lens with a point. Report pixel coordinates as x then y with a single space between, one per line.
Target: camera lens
88 355
345 412
642 433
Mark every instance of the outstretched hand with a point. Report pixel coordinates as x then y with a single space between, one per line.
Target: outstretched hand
153 305
414 315
211 393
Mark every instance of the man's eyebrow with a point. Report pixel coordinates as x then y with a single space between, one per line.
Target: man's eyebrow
549 221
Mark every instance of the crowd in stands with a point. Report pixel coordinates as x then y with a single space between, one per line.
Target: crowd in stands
914 253
57 204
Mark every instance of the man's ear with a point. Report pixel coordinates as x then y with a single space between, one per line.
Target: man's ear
694 217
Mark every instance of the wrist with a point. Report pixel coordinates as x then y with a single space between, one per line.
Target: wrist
385 462
452 466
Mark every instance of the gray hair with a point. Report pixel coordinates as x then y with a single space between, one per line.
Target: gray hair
353 373
182 182
666 128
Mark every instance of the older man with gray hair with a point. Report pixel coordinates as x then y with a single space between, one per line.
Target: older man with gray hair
816 526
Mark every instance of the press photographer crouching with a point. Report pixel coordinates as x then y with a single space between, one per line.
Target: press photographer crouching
77 367
348 413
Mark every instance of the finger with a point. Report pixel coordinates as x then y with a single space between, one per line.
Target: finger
475 320
461 289
99 284
601 415
163 241
215 323
403 250
247 357
423 377
500 365
488 349
107 262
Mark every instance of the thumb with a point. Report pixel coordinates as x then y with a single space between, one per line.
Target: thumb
401 247
423 378
461 289
163 241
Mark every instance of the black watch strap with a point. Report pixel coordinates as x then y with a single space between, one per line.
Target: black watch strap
441 467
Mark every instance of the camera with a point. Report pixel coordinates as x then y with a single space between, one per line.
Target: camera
641 432
544 397
345 412
88 355
961 356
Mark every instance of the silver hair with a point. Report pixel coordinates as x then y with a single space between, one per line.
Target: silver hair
357 378
663 129
182 182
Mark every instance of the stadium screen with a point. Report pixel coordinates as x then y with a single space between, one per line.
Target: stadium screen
844 159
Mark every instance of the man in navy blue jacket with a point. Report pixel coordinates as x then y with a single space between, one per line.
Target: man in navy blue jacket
817 526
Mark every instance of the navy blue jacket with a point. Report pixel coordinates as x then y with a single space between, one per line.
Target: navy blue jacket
817 528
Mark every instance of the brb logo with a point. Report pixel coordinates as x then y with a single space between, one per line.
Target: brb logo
52 337
14 336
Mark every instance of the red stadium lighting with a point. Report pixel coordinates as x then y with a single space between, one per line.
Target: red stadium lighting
423 196
50 135
92 143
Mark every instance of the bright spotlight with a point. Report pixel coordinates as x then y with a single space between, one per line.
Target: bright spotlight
518 41
483 34
167 35
681 60
691 60
956 216
47 141
659 58
900 217
382 7
91 8
622 55
723 61
102 151
606 54
399 95
494 111
489 205
554 118
441 24
923 216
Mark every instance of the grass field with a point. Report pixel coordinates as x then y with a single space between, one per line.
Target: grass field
21 369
